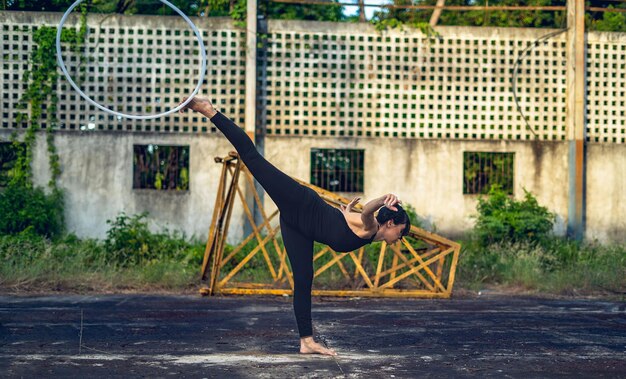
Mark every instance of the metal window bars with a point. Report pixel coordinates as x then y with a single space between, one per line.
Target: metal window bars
337 170
161 167
482 170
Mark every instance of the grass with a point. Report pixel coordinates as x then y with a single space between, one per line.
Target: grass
553 267
35 264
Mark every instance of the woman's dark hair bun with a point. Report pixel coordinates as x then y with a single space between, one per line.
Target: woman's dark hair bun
398 217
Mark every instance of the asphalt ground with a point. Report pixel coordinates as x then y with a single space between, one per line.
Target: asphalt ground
122 336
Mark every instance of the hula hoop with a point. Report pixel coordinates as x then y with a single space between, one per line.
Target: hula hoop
131 116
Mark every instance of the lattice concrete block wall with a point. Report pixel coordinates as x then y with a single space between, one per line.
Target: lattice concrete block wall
606 87
328 79
136 65
350 80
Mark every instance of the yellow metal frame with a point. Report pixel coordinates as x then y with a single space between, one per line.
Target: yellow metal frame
425 272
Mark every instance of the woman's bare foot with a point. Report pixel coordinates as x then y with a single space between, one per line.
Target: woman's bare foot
309 346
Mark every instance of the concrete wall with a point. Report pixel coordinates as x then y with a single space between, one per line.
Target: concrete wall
428 174
97 178
606 193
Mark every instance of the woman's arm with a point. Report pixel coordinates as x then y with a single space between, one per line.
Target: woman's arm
367 215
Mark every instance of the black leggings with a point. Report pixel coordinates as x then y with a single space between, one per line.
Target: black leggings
304 218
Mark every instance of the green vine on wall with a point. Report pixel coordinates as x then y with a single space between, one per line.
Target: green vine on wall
393 23
41 82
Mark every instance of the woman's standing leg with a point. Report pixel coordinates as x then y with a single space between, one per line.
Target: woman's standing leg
300 251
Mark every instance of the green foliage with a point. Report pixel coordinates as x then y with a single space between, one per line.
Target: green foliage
501 218
557 266
610 22
238 12
130 242
535 19
236 9
25 209
219 8
387 18
9 153
21 173
184 179
413 216
392 23
192 7
406 16
40 94
72 264
512 246
284 11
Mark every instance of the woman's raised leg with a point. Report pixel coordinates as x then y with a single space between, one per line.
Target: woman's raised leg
284 191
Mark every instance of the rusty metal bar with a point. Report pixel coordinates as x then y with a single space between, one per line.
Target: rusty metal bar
212 229
230 197
345 293
359 268
597 9
256 232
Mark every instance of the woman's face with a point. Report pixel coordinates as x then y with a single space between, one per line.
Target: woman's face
392 233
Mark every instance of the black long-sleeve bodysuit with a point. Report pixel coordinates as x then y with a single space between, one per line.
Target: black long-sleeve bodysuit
304 218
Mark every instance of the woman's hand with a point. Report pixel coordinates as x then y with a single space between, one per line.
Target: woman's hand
200 105
390 200
351 204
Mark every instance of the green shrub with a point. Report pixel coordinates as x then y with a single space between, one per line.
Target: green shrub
128 239
30 209
556 265
413 216
501 218
130 242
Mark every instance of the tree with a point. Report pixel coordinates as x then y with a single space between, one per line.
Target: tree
603 21
543 19
208 8
610 22
283 11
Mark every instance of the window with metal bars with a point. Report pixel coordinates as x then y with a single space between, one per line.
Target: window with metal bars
338 170
161 167
9 153
482 170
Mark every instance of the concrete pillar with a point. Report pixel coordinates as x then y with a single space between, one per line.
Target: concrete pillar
251 40
251 96
575 120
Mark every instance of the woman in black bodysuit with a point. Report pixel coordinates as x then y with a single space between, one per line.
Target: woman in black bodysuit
305 218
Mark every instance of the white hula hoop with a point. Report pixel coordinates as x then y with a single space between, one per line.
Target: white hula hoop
136 117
